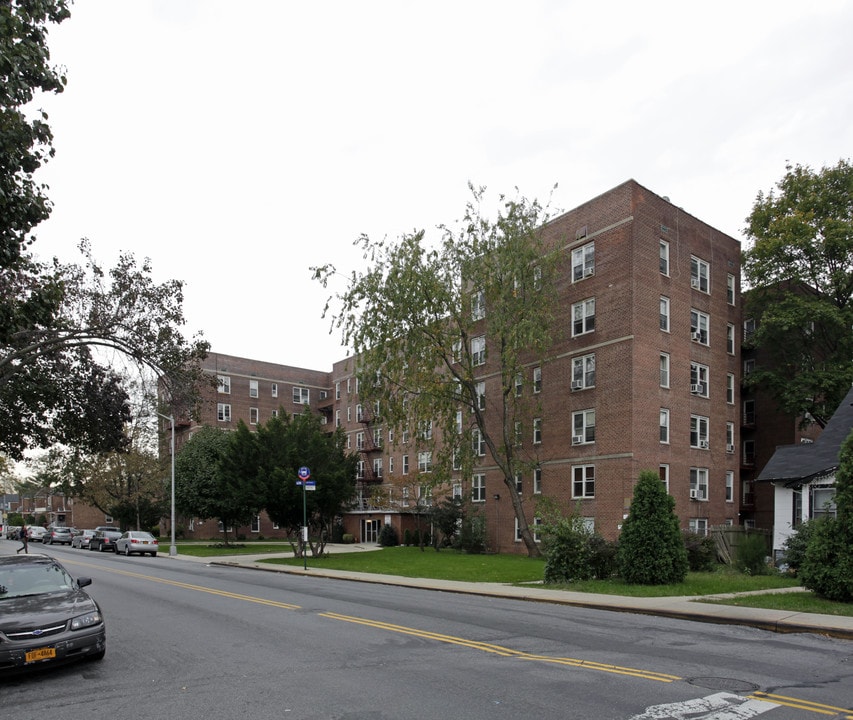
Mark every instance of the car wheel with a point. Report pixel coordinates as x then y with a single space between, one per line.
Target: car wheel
126 550
101 547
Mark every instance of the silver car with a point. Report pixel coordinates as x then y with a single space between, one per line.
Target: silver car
81 539
137 541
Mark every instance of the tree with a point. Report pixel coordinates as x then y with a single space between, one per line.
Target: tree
432 327
204 489
651 549
827 567
800 267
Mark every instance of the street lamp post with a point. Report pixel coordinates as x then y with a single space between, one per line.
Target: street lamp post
173 550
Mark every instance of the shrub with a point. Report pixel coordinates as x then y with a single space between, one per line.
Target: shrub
827 568
567 552
795 546
602 557
472 536
407 537
651 549
388 536
701 552
347 538
752 554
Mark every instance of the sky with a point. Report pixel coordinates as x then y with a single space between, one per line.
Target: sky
236 145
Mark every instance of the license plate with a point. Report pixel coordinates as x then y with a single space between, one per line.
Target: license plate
45 653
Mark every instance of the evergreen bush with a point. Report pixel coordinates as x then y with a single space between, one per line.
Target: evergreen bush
752 554
388 536
701 552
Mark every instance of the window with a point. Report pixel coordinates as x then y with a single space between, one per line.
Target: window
359 470
478 444
730 437
730 486
480 391
583 481
223 384
664 370
377 467
537 379
478 350
583 262
748 452
822 501
519 483
405 464
519 384
730 289
458 422
517 432
456 351
478 305
748 329
426 430
749 412
537 481
253 388
699 271
749 366
349 386
478 488
698 483
456 491
664 425
349 413
359 413
730 339
730 388
377 437
537 431
583 317
274 390
253 416
583 427
256 524
663 472
535 527
425 462
359 440
664 257
699 379
338 390
337 418
699 323
300 395
664 313
698 526
699 432
583 372
223 412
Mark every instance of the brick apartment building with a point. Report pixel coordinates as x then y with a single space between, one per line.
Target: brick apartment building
644 373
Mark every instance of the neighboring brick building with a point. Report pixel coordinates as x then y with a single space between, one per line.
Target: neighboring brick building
644 373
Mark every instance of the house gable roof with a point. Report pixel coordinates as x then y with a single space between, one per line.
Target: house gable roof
795 465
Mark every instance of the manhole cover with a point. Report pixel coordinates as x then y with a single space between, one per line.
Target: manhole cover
721 683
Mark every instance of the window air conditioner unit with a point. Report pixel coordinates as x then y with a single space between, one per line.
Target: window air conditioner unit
696 336
694 283
696 389
589 271
730 448
577 439
577 384
694 494
703 444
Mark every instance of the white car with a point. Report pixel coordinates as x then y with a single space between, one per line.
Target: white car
36 533
137 541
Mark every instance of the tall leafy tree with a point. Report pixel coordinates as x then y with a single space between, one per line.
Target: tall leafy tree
800 269
431 323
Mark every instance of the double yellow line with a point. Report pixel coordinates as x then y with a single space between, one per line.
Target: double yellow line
792 702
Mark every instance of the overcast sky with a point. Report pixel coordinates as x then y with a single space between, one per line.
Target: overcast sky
238 144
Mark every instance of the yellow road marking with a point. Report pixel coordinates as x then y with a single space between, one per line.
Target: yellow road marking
804 705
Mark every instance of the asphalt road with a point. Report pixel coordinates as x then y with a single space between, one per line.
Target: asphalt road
190 640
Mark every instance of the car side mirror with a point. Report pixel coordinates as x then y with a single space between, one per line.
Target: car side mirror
83 582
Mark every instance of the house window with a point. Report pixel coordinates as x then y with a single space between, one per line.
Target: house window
537 481
583 481
535 528
223 412
519 384
458 422
349 386
583 262
359 470
300 395
698 483
749 412
478 444
583 427
223 384
664 257
730 486
664 425
664 370
822 501
359 440
748 452
730 289
349 413
699 432
749 366
699 323
478 305
517 432
337 418
390 465
338 390
699 379
426 430
253 416
478 350
730 437
583 372
748 329
253 388
537 379
663 472
730 388
519 483
698 526
478 488
699 272
377 437
256 524
425 462
480 391
583 317
359 413
405 464
456 491
730 339
377 468
664 313
537 431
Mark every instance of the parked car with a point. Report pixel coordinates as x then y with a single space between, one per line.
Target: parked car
104 540
45 615
36 533
60 535
12 532
81 538
137 541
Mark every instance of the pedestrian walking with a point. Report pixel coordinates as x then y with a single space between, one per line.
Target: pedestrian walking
22 536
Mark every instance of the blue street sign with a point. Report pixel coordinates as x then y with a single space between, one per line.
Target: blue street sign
304 473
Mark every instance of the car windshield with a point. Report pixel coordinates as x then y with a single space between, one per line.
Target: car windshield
33 580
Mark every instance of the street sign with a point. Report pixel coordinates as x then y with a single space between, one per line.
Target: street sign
310 485
304 473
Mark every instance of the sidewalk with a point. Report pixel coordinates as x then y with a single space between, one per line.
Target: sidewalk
685 608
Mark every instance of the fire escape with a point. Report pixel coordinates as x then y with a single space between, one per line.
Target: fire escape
369 446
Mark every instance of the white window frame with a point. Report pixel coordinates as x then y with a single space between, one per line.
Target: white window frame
583 372
730 388
583 427
700 273
478 488
478 350
478 305
478 442
700 324
537 379
254 415
698 526
301 395
274 390
664 313
699 379
223 412
731 285
480 394
730 438
583 317
664 257
663 473
663 424
730 486
537 431
699 425
730 338
424 461
699 483
583 262
583 481
537 481
405 464
253 388
664 370
223 384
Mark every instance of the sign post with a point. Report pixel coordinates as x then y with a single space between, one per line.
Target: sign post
304 473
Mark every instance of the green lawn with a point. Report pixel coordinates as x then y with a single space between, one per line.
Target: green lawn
520 570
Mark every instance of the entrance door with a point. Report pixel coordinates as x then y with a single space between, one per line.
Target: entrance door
370 531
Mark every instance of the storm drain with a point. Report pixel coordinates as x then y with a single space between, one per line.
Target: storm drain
732 685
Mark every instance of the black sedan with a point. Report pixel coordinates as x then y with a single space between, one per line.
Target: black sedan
104 540
45 616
